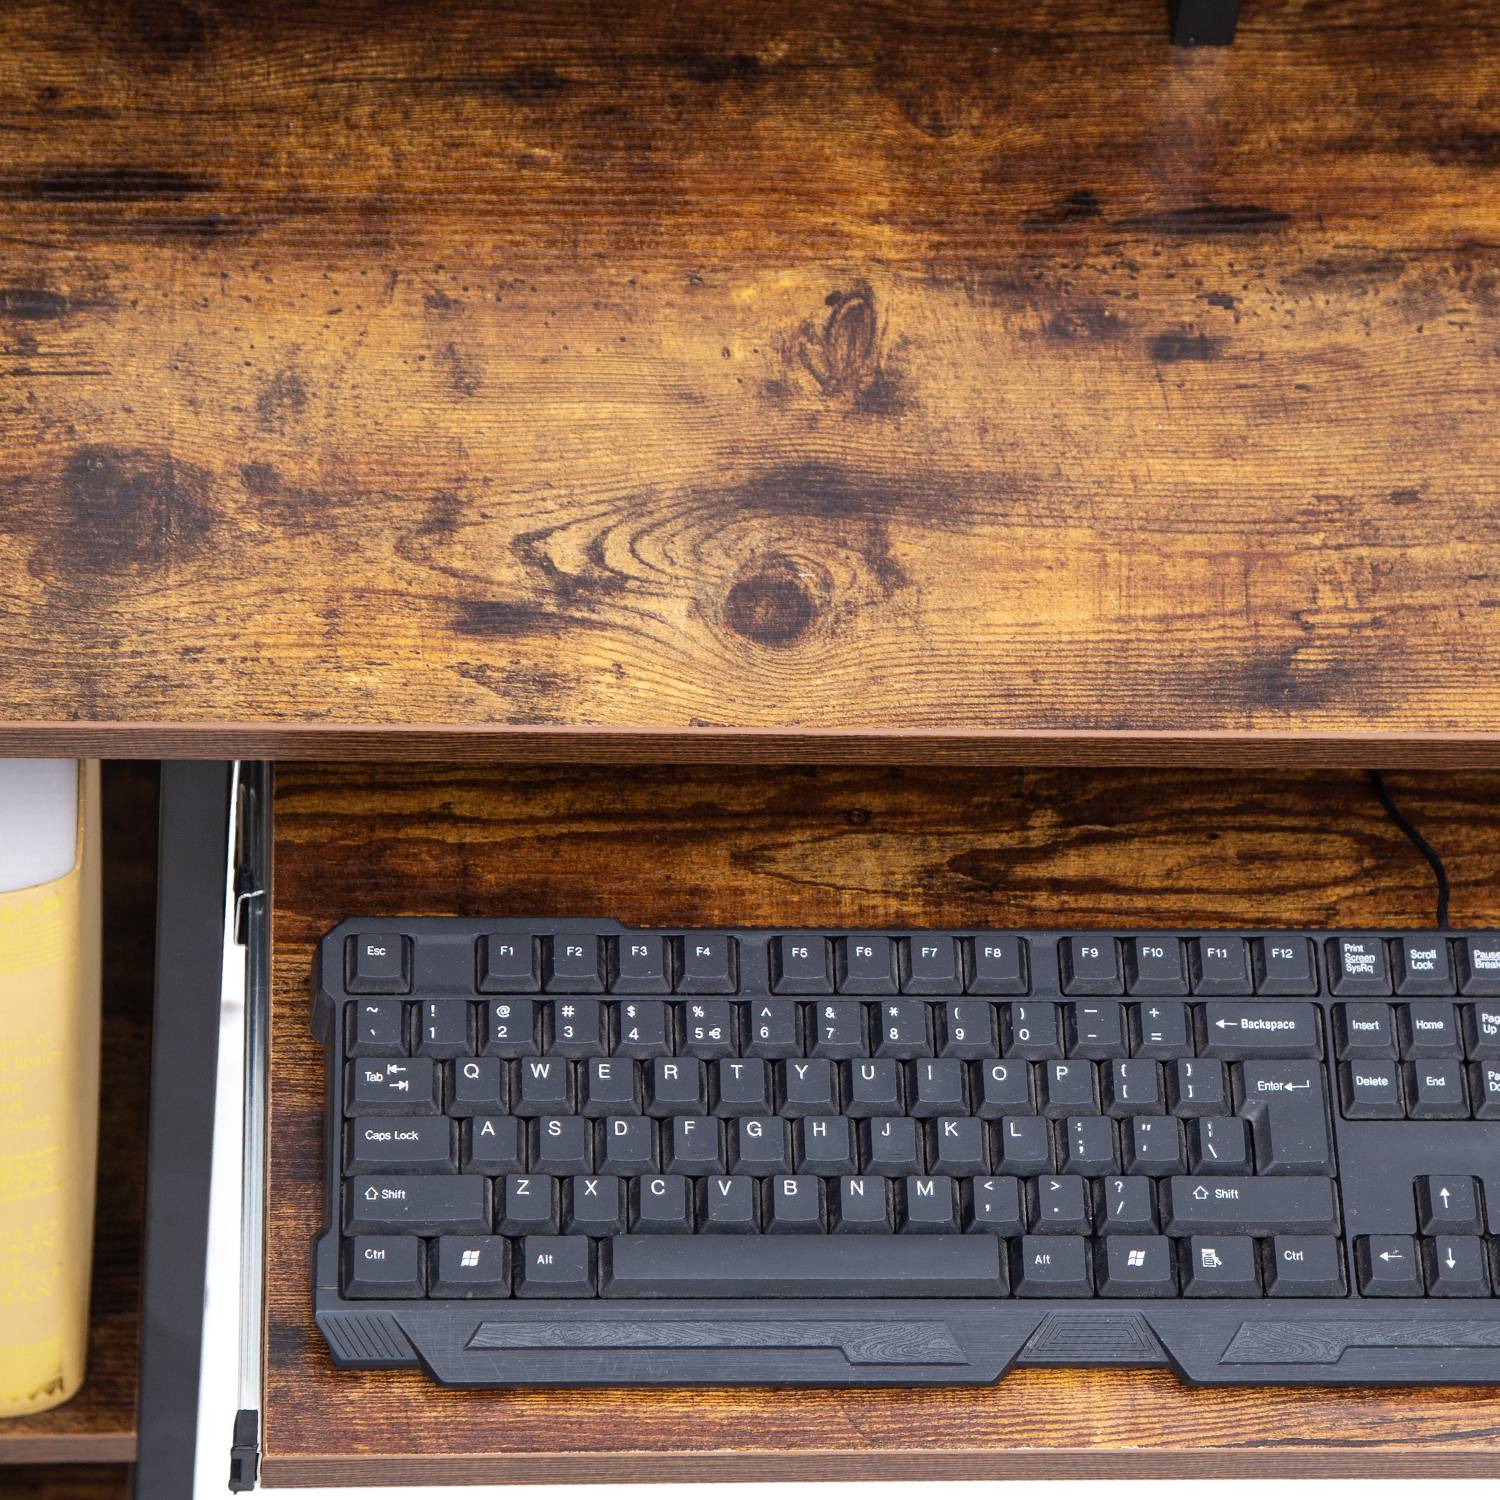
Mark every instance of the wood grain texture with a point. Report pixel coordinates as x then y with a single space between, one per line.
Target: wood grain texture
98 1424
67 1482
950 365
832 847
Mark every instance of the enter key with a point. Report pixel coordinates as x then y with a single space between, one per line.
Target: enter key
1287 1107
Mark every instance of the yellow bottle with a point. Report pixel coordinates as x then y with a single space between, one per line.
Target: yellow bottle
49 1107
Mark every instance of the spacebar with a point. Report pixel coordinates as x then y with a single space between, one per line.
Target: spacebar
866 1265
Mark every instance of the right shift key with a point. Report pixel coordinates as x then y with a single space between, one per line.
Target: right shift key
1238 1029
1249 1205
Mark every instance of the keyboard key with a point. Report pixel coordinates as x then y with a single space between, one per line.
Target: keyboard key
1448 1205
1031 1031
1152 1146
801 964
1154 966
417 1205
741 1086
1089 1146
643 965
1096 1029
573 965
1132 1087
627 1146
1215 1267
470 1266
383 1266
375 1028
478 1086
609 1086
794 1205
1288 1115
1482 1032
1249 1205
377 963
992 1205
866 965
937 1088
891 1148
824 1147
1220 966
958 1147
381 1144
710 965
808 1087
492 1145
708 1029
1435 1091
1424 966
554 1266
641 1029
772 1029
760 1147
675 1086
527 1204
576 1028
900 1029
1387 1265
997 964
562 1146
1284 965
966 1028
1135 1266
1428 1029
1196 1088
1004 1088
1456 1266
931 964
927 1205
1484 1079
1058 1205
1160 1029
374 1086
1051 1266
1303 1266
862 1205
445 1028
1364 1031
510 1029
1022 1146
1125 1205
594 1205
1371 1091
1090 966
1217 1145
838 1030
872 1086
661 1205
728 1205
874 1265
508 964
1479 965
1069 1088
544 1087
1235 1031
1358 966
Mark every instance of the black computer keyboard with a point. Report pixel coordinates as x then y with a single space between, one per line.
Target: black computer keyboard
570 1152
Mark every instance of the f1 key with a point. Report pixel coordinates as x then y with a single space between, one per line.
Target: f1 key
1232 1030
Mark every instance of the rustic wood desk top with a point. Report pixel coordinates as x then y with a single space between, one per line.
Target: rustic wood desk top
836 847
952 377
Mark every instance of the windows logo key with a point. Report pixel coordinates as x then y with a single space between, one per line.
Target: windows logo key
469 1258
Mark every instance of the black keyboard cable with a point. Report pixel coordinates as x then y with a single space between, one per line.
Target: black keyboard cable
1414 834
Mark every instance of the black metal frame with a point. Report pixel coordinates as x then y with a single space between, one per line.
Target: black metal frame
191 896
1204 23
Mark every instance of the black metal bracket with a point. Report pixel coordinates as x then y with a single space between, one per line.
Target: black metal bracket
244 1452
1204 23
191 902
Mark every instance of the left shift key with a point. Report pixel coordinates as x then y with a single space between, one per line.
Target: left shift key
417 1205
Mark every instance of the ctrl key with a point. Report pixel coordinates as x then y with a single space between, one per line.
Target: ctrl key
552 1265
378 1265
